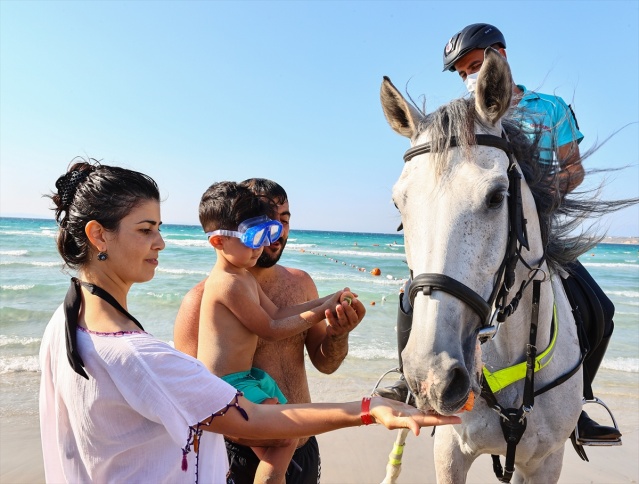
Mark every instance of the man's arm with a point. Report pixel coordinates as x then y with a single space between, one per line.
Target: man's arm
571 172
327 341
187 321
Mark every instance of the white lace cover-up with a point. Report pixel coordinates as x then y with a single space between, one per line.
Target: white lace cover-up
130 421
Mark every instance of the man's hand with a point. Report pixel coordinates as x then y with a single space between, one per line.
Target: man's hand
348 314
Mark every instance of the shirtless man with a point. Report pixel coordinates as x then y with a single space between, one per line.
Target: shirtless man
327 346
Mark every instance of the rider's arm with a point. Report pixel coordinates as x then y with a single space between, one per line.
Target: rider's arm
571 172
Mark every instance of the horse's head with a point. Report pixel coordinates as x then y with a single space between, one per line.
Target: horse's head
453 202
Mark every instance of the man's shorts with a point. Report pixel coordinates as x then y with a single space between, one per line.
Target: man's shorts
256 384
243 464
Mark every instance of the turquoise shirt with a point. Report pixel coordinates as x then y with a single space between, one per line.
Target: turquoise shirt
553 117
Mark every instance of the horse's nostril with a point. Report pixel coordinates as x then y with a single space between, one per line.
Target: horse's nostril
457 389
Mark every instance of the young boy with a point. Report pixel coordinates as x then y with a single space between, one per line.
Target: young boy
235 311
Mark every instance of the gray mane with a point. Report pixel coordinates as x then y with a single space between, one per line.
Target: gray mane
561 219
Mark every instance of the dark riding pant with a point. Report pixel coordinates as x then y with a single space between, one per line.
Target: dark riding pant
597 311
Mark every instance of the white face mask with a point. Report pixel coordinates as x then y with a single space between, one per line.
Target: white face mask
471 82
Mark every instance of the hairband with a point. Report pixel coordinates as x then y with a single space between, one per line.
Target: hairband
67 185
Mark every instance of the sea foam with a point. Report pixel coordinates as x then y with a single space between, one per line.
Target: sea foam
16 341
631 294
182 271
611 265
187 243
18 364
18 287
14 253
33 263
630 365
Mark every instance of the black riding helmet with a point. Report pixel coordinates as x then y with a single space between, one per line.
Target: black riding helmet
475 36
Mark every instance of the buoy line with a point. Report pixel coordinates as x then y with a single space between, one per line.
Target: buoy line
376 271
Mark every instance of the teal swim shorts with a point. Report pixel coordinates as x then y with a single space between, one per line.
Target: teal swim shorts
257 385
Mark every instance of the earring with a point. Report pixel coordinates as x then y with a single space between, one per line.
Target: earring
102 256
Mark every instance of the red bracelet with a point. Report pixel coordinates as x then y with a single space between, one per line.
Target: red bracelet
365 415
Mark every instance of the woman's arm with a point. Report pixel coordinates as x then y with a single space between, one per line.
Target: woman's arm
292 421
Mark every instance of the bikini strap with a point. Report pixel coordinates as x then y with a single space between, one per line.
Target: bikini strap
72 303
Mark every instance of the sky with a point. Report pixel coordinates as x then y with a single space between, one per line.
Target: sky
197 92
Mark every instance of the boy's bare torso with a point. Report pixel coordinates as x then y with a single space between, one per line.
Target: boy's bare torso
225 344
284 359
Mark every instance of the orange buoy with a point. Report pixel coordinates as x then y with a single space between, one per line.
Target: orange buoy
376 271
372 303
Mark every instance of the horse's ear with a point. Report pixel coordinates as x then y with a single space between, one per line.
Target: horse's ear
494 87
401 115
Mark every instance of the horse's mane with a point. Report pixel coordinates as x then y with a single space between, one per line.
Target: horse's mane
561 219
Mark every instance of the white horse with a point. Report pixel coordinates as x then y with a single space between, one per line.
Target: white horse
466 228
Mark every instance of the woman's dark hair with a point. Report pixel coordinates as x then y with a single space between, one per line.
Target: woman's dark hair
227 204
92 191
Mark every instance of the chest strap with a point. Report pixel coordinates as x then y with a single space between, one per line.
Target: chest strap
500 379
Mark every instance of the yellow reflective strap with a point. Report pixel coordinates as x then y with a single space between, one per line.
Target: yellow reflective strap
500 379
398 449
395 462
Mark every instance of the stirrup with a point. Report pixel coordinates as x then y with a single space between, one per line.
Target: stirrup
393 370
598 443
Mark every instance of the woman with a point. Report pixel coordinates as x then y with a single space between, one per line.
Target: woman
118 405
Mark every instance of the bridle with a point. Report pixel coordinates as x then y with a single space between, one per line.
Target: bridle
505 277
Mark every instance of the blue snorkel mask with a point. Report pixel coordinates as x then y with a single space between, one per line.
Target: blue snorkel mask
254 232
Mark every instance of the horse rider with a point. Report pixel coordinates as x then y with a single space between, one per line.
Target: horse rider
554 124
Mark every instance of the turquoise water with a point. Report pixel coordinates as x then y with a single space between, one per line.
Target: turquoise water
33 284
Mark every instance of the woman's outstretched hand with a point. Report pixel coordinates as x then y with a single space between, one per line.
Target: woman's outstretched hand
398 415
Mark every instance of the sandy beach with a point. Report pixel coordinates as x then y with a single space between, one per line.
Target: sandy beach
354 456
359 455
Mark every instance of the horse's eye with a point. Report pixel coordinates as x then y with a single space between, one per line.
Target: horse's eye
401 224
496 199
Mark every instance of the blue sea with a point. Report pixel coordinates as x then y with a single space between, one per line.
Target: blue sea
33 284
